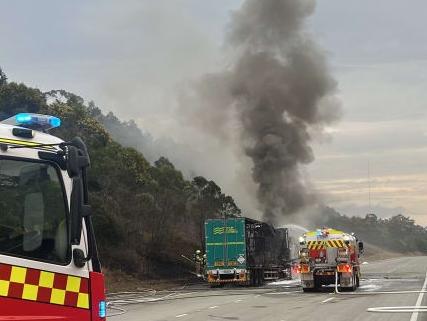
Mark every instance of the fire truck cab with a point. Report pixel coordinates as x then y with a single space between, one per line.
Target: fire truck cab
49 267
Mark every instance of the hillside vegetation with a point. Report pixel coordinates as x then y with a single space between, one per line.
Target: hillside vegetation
145 215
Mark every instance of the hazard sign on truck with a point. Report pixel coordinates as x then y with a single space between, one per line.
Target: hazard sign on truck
49 267
328 255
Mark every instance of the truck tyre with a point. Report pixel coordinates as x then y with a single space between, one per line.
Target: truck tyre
354 281
253 277
261 277
258 278
216 285
317 283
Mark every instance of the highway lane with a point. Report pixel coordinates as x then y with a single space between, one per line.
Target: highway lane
285 300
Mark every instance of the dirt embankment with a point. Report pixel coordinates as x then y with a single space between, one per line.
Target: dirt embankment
118 281
376 253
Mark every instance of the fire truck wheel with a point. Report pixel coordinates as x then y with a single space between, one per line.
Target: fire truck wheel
317 283
354 281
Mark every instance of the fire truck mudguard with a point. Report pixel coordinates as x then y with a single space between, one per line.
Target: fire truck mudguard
49 267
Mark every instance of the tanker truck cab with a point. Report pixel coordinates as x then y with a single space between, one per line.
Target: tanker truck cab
49 268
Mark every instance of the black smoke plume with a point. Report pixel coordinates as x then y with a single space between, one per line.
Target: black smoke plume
279 92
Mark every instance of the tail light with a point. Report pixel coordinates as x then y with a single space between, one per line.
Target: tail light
296 269
344 268
304 268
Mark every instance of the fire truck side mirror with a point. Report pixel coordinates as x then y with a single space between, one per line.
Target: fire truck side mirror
77 159
79 258
76 211
73 168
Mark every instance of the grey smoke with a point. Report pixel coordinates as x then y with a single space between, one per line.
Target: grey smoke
278 92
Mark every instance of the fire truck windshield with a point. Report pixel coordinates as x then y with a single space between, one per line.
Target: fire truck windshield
33 215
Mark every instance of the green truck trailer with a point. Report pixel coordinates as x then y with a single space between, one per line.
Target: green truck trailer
245 251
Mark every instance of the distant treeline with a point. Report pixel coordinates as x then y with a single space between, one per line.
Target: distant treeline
146 214
398 233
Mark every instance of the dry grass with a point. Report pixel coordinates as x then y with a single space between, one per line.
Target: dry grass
375 253
118 281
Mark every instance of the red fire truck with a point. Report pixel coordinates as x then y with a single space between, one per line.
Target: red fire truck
49 267
326 254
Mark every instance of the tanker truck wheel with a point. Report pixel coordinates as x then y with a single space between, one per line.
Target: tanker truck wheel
354 286
317 283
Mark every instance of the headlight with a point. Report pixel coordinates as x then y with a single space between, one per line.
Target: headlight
301 240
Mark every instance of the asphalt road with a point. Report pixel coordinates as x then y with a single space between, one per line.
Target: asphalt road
284 301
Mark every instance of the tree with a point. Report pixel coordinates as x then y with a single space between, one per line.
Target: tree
16 98
208 201
228 207
3 78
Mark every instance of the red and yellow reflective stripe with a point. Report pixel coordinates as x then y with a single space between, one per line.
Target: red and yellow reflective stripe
318 245
337 243
43 286
315 245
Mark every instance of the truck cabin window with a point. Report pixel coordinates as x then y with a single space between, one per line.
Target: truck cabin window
33 220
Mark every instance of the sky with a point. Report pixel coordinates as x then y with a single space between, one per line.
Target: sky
134 57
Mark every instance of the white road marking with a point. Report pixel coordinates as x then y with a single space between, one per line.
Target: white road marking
181 315
414 316
327 300
401 309
417 308
237 301
213 307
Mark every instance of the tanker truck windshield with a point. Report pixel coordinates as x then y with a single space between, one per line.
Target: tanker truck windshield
33 211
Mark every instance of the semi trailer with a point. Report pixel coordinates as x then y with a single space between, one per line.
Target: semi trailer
245 251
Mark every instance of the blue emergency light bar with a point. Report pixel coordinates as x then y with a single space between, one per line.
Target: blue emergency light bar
38 120
34 121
